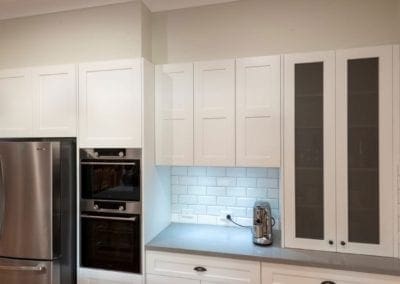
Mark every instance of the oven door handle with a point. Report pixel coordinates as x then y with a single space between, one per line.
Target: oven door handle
130 219
110 163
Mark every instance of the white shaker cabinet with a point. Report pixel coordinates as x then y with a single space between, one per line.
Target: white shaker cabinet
165 266
364 150
290 274
110 104
16 100
174 114
309 151
214 113
157 279
258 96
55 101
339 138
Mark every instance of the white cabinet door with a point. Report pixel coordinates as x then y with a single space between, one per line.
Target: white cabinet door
214 269
157 279
290 274
214 116
364 143
110 104
16 99
258 93
174 114
309 151
55 101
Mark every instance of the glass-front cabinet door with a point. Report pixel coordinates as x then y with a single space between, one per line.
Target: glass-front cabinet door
309 151
364 147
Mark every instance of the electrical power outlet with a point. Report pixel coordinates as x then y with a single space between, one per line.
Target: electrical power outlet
222 217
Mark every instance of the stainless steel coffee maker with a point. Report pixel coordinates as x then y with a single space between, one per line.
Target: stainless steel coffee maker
262 223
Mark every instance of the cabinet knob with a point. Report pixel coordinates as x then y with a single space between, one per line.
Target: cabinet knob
328 282
200 269
330 242
343 243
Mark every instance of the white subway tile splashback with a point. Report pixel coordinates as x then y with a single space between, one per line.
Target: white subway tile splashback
204 195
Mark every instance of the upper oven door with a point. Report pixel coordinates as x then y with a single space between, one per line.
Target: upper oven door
110 180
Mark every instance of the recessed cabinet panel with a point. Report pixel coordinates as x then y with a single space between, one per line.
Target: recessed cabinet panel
55 106
174 114
309 152
309 148
258 111
16 100
110 104
364 150
214 117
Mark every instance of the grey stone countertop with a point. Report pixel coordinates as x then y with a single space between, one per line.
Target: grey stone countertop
236 242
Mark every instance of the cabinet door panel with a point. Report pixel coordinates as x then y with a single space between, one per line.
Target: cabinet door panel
157 279
16 101
364 150
55 106
258 111
110 104
215 113
174 114
291 274
309 157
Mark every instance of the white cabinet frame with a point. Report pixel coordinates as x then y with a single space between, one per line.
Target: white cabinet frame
55 101
16 99
174 114
112 119
214 113
386 234
328 59
258 103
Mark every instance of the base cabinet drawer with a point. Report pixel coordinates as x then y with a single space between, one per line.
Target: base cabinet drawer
288 274
157 279
206 270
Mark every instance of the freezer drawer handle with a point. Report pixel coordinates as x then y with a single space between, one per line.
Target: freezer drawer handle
132 219
37 268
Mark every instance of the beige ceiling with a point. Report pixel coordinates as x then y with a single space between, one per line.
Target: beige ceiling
21 8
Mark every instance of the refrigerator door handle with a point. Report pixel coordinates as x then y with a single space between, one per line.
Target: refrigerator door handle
37 268
2 197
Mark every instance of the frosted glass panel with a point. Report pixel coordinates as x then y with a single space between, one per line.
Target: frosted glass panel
309 150
363 150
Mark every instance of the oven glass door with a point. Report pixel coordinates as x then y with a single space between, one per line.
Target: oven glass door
111 180
111 243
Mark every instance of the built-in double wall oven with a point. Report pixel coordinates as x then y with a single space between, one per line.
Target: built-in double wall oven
110 182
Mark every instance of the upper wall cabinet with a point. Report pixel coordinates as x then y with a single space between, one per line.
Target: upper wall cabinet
338 169
364 150
214 113
174 114
110 104
55 101
309 151
16 100
258 87
38 102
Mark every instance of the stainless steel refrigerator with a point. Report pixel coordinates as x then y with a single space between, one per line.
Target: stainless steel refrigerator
37 211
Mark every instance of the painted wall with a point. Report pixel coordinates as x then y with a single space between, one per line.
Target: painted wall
260 27
91 34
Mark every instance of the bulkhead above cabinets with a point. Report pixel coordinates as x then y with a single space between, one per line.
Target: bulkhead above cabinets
219 113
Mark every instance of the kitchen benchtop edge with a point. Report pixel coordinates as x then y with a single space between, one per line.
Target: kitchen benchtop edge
236 243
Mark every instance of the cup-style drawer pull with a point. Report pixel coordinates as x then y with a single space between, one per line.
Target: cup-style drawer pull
199 269
328 282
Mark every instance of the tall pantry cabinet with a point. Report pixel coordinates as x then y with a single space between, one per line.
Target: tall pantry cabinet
338 165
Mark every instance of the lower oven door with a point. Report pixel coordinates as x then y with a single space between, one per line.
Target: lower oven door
111 243
15 271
